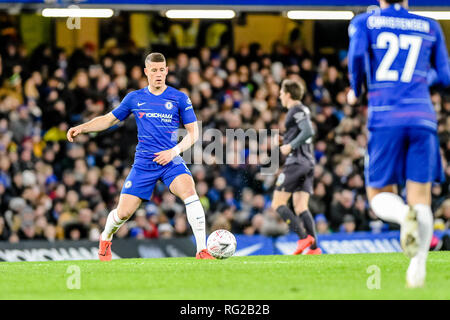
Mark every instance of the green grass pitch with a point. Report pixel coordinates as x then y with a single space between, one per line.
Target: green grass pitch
345 276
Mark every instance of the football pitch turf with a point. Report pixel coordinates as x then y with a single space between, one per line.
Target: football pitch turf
345 276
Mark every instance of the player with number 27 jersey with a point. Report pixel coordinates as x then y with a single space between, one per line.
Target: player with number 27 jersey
393 50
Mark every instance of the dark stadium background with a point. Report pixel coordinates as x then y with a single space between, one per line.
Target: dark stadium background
56 196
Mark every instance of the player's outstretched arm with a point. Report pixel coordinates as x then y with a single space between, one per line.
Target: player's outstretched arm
95 125
165 156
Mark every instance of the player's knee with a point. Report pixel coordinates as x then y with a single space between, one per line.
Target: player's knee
418 193
124 214
188 193
419 199
277 204
300 206
300 209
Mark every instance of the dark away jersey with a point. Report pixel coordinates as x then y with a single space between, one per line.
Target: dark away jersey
395 50
158 118
304 153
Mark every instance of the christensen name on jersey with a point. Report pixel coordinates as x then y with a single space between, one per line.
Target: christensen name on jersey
397 50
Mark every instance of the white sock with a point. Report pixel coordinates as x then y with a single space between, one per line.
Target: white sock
113 223
425 220
196 218
417 267
389 207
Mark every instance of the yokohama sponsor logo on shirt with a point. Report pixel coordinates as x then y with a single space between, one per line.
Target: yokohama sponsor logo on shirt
165 117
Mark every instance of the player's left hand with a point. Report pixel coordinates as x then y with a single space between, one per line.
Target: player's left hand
351 97
286 149
164 157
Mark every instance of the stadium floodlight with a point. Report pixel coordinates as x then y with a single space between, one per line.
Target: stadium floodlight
200 14
319 15
77 13
437 15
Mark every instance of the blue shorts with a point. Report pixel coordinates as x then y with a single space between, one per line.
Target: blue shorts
402 153
145 173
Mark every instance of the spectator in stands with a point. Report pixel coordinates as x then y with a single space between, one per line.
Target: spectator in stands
165 230
317 202
348 224
442 216
343 206
81 59
322 224
144 228
181 227
4 232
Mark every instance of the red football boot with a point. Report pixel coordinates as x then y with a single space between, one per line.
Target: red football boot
104 250
204 254
302 244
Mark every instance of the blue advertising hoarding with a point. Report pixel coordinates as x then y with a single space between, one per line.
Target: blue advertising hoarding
334 243
253 245
358 242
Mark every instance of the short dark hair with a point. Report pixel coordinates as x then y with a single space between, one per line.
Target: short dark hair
155 57
294 88
394 1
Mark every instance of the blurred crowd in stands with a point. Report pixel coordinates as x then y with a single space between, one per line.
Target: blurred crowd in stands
52 189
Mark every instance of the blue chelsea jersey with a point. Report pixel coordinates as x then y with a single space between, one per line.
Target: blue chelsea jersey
157 117
394 50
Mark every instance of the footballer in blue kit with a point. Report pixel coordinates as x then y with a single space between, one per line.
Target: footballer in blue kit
392 51
158 118
159 110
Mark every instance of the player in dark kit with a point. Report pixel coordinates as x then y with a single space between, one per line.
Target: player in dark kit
296 179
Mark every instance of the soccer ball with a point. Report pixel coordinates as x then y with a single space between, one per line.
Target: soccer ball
221 244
